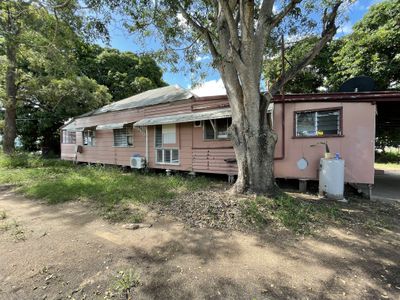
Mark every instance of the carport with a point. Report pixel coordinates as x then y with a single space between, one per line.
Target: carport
387 182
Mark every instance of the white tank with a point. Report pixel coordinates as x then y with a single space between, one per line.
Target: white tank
331 178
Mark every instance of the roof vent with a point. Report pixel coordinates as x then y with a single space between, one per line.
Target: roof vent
358 84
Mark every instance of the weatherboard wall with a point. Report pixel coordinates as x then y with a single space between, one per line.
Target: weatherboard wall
356 145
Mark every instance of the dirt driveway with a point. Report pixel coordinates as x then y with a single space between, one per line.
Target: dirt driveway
66 252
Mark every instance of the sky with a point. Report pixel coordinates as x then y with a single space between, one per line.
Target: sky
212 84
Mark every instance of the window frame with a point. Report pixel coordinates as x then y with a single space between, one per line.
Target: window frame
93 138
70 137
163 162
164 148
125 127
215 131
337 108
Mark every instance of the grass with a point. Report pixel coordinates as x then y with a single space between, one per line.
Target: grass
295 214
14 228
124 283
387 166
58 181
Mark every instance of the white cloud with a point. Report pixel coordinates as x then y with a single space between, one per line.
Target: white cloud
210 88
201 58
182 20
346 28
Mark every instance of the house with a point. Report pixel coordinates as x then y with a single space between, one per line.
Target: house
176 130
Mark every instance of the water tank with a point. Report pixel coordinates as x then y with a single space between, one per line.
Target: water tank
331 178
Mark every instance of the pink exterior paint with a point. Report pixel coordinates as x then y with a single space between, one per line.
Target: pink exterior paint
200 155
356 146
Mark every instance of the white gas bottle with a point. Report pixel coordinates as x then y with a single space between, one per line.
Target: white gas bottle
331 178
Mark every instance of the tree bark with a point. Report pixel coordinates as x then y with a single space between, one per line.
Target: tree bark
254 144
10 128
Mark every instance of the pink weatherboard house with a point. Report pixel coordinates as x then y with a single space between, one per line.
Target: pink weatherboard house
171 128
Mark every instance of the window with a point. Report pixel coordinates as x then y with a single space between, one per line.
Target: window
68 137
89 137
167 156
216 129
318 123
164 135
123 137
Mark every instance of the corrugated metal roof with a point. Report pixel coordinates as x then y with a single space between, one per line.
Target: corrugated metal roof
161 95
189 117
110 126
72 127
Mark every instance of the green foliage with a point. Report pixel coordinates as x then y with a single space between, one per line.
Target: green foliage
373 48
388 157
28 160
56 101
125 282
312 77
124 73
112 190
295 214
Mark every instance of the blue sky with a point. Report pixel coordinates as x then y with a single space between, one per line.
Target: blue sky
124 41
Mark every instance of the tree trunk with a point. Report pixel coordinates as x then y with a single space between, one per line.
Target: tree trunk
254 144
10 128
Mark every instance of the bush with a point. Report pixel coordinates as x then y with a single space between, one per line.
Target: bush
29 160
387 157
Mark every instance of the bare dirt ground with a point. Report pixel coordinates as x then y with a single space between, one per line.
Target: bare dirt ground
67 252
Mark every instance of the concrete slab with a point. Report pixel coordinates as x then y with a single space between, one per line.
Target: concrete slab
387 186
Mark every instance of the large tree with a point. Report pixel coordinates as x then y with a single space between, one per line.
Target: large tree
48 102
22 24
235 33
314 77
124 73
373 48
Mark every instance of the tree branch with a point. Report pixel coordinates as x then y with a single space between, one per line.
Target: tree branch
227 11
329 30
201 29
284 12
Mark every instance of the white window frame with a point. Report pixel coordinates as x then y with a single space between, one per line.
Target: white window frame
125 136
163 156
91 139
163 150
68 137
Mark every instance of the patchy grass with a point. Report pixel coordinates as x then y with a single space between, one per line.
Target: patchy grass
295 214
387 166
59 181
14 228
124 284
3 215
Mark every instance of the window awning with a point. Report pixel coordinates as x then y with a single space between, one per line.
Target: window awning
110 126
72 127
189 117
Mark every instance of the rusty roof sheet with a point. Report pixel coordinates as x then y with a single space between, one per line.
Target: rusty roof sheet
188 117
161 95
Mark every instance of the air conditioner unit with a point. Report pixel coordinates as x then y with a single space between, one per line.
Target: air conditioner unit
138 162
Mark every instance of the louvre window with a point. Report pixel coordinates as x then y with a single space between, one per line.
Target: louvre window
318 123
217 129
89 137
68 137
123 137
